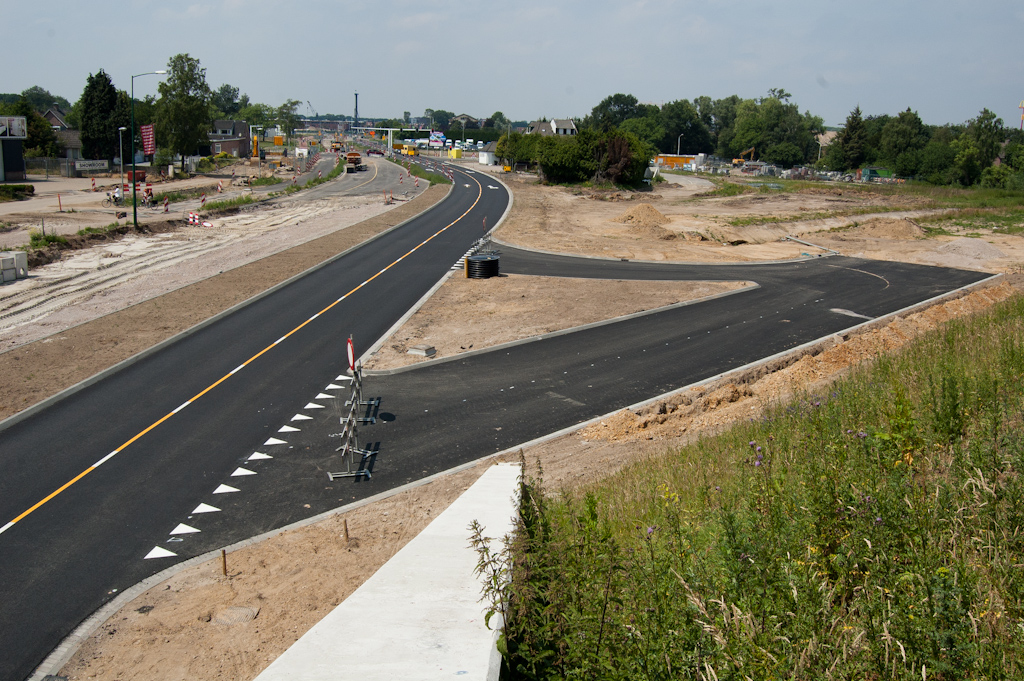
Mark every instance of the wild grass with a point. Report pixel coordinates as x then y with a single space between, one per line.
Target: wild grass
37 239
872 530
264 181
227 204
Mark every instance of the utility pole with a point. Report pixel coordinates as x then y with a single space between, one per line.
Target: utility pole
355 118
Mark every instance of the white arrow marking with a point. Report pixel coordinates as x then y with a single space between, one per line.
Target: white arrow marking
288 429
347 378
158 552
302 417
333 387
259 456
324 396
206 508
465 185
182 528
274 441
313 406
491 186
224 489
242 471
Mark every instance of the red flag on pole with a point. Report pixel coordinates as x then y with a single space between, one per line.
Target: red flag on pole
148 140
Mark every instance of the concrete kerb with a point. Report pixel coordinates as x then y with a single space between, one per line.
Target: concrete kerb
562 332
70 645
59 657
427 296
746 367
81 385
667 262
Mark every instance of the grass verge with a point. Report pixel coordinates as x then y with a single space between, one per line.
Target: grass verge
872 530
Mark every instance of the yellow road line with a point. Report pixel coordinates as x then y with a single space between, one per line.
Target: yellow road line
231 373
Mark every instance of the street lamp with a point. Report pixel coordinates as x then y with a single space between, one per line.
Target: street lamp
120 152
135 207
679 142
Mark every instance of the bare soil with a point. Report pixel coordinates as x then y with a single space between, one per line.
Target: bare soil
200 624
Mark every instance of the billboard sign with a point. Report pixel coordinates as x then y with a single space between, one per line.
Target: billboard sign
91 165
436 139
13 127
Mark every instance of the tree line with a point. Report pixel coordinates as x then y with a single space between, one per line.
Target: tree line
182 114
774 130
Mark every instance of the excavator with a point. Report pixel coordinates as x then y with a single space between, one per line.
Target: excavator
737 162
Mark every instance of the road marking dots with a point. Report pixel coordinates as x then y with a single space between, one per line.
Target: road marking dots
333 387
324 396
225 489
274 441
239 472
302 417
259 456
287 429
311 405
206 508
182 528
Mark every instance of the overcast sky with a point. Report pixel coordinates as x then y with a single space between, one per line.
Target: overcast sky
530 59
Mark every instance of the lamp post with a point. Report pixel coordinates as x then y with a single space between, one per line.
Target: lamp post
679 141
135 207
120 152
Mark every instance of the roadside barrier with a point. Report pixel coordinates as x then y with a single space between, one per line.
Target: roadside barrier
220 186
202 199
193 218
94 184
167 202
349 448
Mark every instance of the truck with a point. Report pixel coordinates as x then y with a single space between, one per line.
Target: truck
354 162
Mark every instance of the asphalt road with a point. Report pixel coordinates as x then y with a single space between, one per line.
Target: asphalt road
270 429
182 420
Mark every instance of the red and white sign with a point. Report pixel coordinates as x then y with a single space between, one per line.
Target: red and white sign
148 139
351 355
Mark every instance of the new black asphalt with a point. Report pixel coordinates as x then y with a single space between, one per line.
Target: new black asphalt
73 553
64 560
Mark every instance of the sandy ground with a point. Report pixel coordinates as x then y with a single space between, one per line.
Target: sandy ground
200 624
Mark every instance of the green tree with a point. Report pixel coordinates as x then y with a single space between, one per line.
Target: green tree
683 129
287 116
849 149
902 140
183 110
722 127
517 148
497 120
987 133
257 114
937 158
648 129
41 99
612 111
440 118
225 101
406 117
775 128
968 161
41 139
96 111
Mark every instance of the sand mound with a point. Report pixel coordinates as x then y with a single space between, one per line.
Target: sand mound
652 232
972 248
890 228
643 215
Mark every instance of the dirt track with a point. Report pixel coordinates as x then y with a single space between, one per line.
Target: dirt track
175 631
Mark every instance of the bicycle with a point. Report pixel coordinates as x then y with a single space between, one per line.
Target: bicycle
112 200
